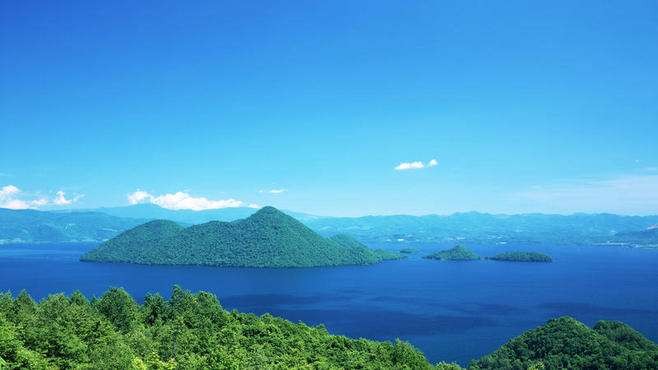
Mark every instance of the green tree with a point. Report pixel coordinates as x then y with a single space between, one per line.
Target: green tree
120 309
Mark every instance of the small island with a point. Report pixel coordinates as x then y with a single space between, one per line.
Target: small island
407 250
458 253
520 256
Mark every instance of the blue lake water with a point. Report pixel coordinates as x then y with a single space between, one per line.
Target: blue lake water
452 311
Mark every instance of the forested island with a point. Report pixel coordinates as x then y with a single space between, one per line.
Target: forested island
519 256
458 253
268 238
192 331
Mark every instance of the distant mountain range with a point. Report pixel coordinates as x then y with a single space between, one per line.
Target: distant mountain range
185 216
646 236
268 238
104 223
486 228
37 226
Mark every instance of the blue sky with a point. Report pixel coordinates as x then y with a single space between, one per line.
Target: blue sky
526 107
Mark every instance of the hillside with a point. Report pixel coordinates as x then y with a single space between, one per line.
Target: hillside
194 331
647 236
30 226
188 331
268 238
565 343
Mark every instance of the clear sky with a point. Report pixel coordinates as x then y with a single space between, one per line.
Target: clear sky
311 105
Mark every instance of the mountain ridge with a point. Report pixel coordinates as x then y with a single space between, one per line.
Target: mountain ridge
471 227
34 226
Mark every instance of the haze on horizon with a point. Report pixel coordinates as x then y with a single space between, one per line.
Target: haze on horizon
331 108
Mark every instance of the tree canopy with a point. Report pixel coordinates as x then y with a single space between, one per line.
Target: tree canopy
193 331
188 331
565 343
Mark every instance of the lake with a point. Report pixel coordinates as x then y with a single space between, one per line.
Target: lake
452 311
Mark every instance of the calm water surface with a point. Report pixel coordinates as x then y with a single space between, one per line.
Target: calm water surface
452 311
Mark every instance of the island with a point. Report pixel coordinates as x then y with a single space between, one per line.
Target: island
458 253
268 238
520 256
407 250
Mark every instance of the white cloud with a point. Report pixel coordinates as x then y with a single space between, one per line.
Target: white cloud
182 200
416 165
8 190
36 203
14 204
60 199
255 206
626 194
14 198
139 196
273 191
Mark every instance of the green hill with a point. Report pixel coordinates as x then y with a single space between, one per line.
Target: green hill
458 253
521 257
268 238
565 343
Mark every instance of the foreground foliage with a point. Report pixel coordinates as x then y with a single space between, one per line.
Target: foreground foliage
268 238
193 331
188 331
565 343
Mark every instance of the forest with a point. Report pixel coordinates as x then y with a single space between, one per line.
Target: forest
187 331
192 331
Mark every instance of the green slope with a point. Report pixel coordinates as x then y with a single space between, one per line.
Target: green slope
565 343
458 253
135 242
268 238
193 331
188 331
